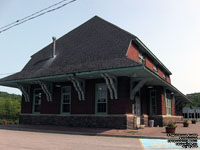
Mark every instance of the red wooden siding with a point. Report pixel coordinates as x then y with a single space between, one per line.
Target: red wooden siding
132 52
26 107
163 103
144 100
173 107
123 105
160 73
168 79
149 63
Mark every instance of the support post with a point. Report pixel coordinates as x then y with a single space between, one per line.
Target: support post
135 89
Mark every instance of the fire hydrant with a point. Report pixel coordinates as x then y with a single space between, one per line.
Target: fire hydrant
5 122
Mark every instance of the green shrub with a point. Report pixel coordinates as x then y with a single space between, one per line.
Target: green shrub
171 125
16 121
10 122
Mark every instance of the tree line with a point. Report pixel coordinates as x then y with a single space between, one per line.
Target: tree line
195 98
10 107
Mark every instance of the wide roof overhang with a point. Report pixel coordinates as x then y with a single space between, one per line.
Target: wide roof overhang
137 73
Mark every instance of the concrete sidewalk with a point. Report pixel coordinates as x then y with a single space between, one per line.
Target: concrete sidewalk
147 132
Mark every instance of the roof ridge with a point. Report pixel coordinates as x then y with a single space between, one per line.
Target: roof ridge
113 25
95 17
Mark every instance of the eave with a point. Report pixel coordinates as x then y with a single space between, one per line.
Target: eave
137 72
145 49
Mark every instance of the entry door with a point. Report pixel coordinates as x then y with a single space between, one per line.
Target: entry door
101 98
138 109
153 103
37 95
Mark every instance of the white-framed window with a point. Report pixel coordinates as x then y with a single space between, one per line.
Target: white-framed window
153 102
155 69
168 104
66 99
164 77
37 97
101 98
141 58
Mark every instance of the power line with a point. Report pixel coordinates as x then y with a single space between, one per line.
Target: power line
34 15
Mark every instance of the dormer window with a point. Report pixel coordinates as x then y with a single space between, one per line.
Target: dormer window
141 58
164 77
155 69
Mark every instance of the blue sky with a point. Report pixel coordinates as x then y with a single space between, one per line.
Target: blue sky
169 28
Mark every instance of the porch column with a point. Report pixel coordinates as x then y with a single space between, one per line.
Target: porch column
135 88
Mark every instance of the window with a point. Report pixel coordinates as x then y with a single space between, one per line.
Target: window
155 69
101 98
164 77
66 99
168 104
37 95
141 58
153 104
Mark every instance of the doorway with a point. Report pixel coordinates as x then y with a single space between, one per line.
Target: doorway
153 102
138 110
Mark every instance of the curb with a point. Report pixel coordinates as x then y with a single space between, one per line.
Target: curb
79 133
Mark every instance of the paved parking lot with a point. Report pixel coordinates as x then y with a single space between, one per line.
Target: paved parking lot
23 140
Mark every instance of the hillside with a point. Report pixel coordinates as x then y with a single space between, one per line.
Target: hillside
5 95
10 106
195 97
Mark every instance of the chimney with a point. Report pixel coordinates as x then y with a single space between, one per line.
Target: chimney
54 47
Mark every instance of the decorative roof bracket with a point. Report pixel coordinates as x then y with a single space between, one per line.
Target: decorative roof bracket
47 89
108 85
79 86
136 88
25 89
177 102
113 84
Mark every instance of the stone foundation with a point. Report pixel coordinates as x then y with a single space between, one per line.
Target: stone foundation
162 120
174 119
94 121
144 120
127 121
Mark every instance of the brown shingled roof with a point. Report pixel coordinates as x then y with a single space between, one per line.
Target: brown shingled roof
94 45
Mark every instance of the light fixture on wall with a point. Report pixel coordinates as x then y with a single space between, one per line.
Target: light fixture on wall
58 86
134 75
150 87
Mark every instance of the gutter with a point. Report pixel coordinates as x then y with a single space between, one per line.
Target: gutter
100 71
70 75
168 84
34 79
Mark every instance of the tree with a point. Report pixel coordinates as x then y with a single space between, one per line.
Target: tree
10 106
195 98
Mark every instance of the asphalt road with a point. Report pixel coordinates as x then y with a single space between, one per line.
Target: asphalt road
23 140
